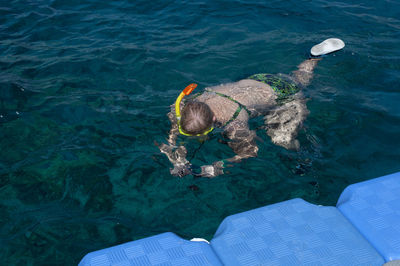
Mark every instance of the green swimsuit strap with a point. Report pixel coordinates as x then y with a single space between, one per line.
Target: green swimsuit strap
238 110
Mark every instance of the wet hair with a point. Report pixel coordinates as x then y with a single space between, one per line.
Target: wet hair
196 118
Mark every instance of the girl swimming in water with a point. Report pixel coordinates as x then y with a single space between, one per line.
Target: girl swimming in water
278 98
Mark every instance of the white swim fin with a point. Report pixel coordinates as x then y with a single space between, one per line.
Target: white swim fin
328 46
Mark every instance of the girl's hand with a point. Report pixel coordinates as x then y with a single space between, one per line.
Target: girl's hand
181 170
213 170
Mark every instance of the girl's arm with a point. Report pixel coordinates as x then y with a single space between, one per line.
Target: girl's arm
176 155
242 142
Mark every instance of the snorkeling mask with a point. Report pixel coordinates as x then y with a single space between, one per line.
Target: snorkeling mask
185 92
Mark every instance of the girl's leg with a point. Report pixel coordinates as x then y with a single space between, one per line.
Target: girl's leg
304 72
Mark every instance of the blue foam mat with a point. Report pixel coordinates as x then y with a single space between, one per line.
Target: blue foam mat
163 249
292 232
373 207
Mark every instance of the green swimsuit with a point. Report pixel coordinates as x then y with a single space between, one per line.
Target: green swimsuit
281 86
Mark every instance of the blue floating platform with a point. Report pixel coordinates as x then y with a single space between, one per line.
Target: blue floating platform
364 229
292 232
163 249
373 207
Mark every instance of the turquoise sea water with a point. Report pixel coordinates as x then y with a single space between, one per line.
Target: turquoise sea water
84 91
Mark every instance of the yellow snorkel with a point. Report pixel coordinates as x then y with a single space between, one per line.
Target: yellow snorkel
188 90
